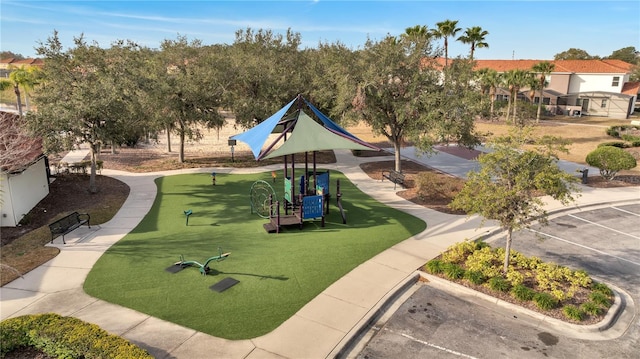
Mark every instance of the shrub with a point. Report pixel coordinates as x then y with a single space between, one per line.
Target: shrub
64 337
602 288
499 284
458 252
618 144
600 299
573 312
591 308
475 277
453 271
514 276
545 301
633 140
434 266
486 261
522 292
610 160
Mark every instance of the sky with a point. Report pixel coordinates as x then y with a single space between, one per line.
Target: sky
517 29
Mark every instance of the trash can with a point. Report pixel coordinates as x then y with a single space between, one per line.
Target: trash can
585 175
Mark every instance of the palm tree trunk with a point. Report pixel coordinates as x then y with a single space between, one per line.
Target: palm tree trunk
540 102
16 89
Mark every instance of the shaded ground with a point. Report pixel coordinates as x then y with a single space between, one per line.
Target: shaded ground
68 193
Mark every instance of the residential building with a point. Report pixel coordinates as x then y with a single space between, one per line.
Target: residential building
578 87
7 64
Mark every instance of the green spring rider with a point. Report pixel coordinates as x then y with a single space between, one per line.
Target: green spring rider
204 268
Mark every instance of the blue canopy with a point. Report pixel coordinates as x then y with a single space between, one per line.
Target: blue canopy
321 137
257 136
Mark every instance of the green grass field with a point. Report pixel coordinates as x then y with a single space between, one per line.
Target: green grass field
278 273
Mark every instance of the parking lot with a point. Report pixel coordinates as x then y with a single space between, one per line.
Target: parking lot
436 322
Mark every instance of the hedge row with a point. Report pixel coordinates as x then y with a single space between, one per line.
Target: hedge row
64 337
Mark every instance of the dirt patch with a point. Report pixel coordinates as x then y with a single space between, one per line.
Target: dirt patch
436 196
69 193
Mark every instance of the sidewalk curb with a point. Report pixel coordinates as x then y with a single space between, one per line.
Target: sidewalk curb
359 331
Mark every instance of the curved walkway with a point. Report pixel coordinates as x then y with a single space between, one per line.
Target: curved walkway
321 329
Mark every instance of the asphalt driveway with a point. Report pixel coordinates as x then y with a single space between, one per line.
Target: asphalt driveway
434 322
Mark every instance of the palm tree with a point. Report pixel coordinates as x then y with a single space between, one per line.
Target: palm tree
490 80
418 34
20 77
474 36
446 29
543 68
514 79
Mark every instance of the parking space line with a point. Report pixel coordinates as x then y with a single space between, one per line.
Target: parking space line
605 227
583 246
432 345
625 211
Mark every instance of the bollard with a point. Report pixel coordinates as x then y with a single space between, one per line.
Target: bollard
213 178
187 213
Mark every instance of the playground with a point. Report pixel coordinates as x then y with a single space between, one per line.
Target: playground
277 274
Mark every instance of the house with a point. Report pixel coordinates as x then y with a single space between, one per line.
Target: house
584 87
24 179
9 63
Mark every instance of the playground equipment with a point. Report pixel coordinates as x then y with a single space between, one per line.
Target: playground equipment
204 268
260 194
187 213
298 133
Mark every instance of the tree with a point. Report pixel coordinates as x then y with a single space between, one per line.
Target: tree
268 71
395 89
511 178
189 85
573 54
446 29
87 96
490 80
474 36
401 95
610 160
544 69
10 55
626 54
16 142
334 75
20 77
515 79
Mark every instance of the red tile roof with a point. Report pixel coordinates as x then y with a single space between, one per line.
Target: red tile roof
631 88
571 66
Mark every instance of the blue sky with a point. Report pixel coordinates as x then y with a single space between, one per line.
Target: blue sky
517 29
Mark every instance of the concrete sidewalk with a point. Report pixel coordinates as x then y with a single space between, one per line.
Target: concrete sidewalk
321 329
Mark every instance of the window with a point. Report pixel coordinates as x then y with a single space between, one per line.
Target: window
616 81
546 100
578 102
536 100
603 104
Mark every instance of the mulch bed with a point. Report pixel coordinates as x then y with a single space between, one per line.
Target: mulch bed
67 193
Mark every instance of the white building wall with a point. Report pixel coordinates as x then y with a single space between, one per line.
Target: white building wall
25 190
7 218
596 82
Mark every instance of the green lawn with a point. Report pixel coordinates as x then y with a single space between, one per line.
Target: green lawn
278 273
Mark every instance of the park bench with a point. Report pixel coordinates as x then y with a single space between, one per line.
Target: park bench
67 224
395 177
